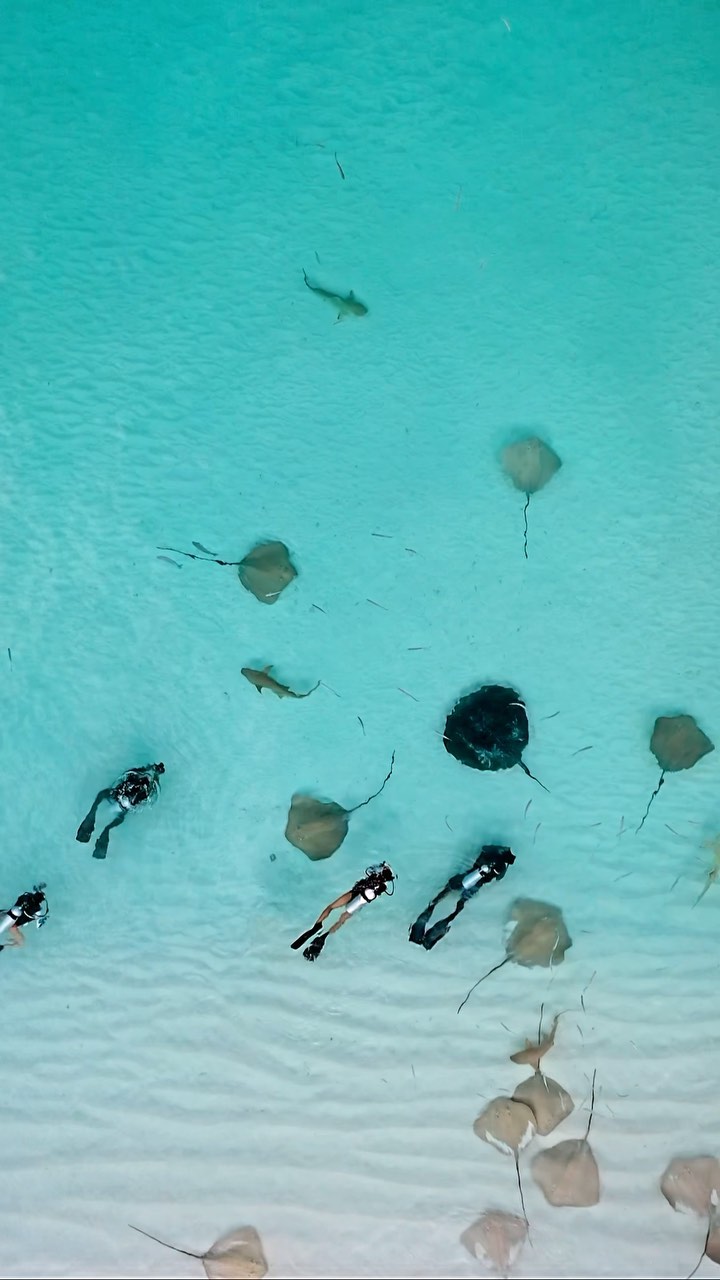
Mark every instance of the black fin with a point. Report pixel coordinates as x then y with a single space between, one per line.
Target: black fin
304 936
313 951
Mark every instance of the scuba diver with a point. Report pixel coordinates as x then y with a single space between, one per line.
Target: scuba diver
376 881
131 792
491 864
29 908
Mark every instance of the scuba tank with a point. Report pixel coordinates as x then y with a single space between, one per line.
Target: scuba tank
27 908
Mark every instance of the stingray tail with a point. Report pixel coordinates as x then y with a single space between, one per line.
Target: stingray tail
592 1105
660 783
525 769
525 550
375 794
522 1197
696 1268
208 560
164 1243
477 984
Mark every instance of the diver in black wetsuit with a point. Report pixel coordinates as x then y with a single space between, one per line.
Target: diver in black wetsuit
135 789
491 864
30 908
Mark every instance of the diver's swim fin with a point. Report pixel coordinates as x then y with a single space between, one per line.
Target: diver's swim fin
434 935
86 827
417 930
101 847
313 951
304 936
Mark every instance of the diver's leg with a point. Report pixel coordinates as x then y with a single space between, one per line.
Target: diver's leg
339 902
16 938
339 922
439 930
417 930
85 829
101 845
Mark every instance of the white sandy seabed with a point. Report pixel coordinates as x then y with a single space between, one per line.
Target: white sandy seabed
525 213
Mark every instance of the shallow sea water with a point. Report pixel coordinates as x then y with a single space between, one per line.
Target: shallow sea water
529 211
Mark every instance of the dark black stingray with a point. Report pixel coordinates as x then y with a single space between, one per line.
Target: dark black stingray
488 729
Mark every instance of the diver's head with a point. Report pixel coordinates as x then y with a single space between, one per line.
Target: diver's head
159 768
387 872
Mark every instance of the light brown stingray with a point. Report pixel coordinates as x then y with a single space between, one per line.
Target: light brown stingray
530 464
236 1256
540 938
266 571
495 1239
677 743
547 1100
508 1126
688 1183
318 827
691 1184
567 1174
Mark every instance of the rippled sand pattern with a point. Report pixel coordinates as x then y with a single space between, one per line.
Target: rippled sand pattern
526 211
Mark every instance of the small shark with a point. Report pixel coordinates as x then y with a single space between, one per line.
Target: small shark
345 306
263 680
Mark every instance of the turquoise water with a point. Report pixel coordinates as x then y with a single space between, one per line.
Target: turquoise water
528 211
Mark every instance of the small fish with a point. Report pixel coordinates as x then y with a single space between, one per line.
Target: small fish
347 305
263 680
10 658
169 561
714 873
204 550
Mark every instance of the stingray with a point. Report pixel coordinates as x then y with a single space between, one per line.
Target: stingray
688 1184
529 464
265 571
508 1126
677 743
236 1256
318 827
488 730
539 939
547 1099
567 1174
495 1239
692 1184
